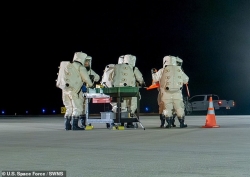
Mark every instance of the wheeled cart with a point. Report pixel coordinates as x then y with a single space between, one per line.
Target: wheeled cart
97 98
119 93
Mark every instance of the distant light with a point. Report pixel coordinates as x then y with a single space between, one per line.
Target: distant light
27 112
3 112
43 110
54 111
146 109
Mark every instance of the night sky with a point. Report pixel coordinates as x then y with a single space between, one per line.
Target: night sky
212 37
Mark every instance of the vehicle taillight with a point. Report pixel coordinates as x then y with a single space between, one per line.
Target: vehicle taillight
233 103
219 103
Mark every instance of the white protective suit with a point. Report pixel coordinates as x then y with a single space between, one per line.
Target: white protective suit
75 74
121 59
126 74
107 79
161 103
94 78
171 79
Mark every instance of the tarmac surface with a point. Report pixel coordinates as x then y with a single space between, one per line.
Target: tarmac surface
41 143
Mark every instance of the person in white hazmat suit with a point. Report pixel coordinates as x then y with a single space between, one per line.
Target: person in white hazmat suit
106 82
160 103
127 74
107 78
70 79
178 63
171 79
94 78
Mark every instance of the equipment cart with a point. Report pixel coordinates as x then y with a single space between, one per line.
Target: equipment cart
119 93
97 98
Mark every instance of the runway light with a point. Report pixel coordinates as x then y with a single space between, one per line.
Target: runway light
3 112
54 111
43 110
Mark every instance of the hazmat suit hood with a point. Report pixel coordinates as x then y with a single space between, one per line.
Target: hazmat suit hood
80 57
169 60
130 59
179 61
121 59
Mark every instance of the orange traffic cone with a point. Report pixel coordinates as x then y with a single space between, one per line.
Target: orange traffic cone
210 119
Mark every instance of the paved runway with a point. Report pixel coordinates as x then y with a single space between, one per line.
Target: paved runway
41 143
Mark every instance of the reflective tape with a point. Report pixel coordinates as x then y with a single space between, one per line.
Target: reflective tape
210 112
211 105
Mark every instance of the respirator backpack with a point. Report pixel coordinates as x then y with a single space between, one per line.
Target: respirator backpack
123 76
68 77
106 79
171 78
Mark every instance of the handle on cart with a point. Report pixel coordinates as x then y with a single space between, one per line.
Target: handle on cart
104 83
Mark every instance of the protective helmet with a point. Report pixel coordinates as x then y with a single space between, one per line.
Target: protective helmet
169 60
179 61
120 60
80 57
130 59
88 60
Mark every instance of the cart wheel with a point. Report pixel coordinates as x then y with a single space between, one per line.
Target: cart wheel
89 124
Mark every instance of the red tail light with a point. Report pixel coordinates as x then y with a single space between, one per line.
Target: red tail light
219 103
